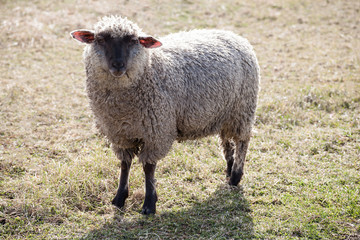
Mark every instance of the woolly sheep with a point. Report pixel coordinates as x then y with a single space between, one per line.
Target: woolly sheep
146 93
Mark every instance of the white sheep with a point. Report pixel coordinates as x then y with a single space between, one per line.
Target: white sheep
146 93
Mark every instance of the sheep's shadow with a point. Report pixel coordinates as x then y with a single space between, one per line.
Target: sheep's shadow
226 214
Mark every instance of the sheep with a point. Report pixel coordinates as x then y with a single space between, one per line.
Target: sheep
145 93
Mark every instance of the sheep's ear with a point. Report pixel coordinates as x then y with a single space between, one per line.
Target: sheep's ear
149 42
84 36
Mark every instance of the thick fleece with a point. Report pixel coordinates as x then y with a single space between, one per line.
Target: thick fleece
198 83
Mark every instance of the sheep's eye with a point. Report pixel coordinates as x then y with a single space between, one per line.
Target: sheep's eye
100 40
134 41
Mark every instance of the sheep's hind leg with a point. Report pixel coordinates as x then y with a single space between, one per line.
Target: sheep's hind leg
123 191
239 161
149 206
228 149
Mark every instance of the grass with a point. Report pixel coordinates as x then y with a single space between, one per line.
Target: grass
57 176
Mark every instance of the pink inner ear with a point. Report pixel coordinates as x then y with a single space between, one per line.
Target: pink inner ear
156 44
83 36
149 42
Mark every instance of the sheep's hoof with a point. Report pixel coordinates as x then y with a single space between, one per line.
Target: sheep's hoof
146 210
119 200
235 178
149 206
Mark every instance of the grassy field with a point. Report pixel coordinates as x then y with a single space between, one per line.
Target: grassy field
302 175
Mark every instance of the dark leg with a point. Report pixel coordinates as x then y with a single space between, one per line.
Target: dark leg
123 190
238 166
149 206
228 148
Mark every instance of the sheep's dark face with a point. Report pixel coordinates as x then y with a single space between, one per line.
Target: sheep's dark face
118 52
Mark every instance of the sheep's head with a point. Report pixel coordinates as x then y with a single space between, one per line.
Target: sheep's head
118 40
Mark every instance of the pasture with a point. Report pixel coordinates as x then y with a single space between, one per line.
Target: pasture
302 175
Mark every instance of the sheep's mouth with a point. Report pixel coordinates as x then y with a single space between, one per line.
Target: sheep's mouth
117 73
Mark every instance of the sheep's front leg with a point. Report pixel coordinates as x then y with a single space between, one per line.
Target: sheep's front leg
123 190
149 206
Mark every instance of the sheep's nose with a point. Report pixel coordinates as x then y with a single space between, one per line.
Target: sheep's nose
118 65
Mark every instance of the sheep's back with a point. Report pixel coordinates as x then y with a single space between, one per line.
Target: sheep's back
212 77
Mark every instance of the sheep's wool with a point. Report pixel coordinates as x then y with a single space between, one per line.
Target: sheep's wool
117 26
198 83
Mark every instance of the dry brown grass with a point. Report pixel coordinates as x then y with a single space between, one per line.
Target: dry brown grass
57 176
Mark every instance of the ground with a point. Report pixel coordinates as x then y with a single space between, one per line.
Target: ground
58 176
